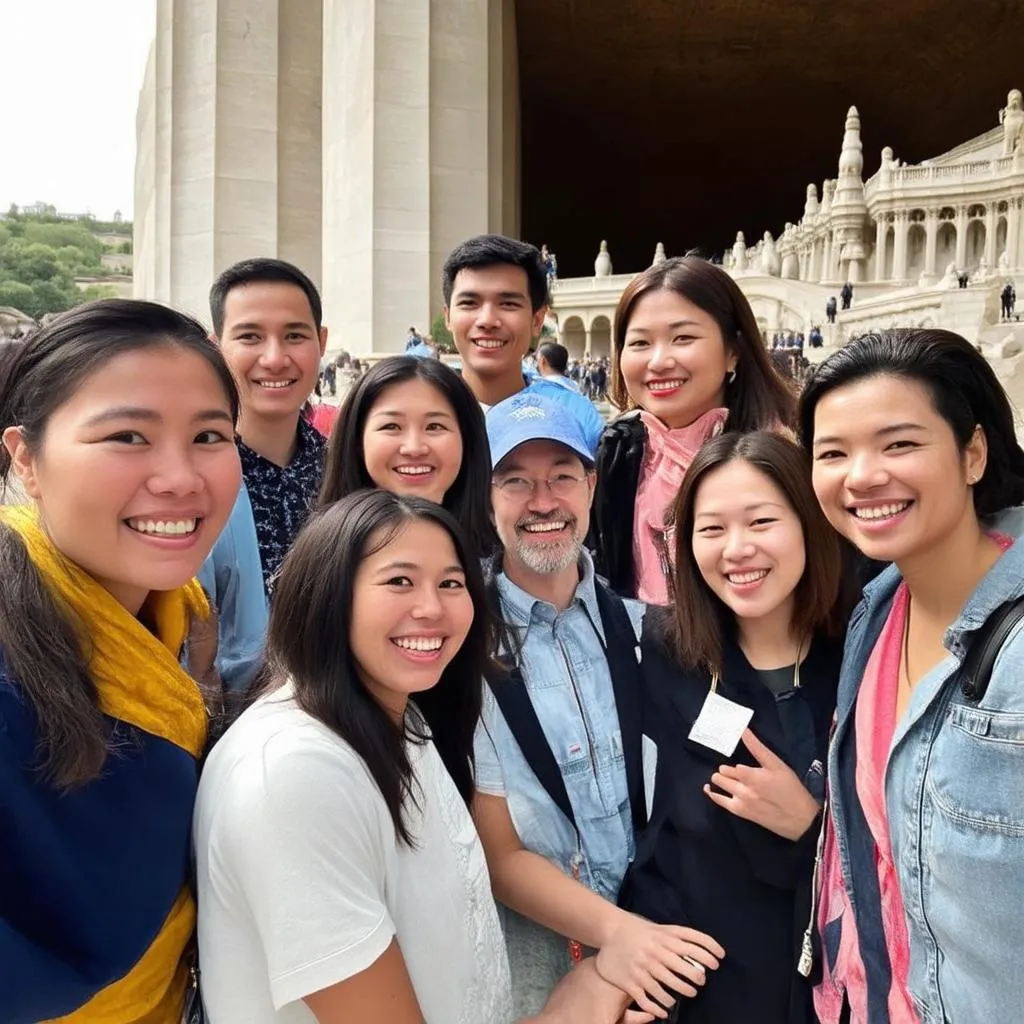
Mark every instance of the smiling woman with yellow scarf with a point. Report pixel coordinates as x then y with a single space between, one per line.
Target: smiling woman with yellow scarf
117 420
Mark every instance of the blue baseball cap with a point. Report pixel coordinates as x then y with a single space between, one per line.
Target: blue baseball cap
528 416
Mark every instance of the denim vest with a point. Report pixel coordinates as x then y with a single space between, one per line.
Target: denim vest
954 788
565 669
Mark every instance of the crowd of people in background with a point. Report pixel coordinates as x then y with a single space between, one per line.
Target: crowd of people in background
472 707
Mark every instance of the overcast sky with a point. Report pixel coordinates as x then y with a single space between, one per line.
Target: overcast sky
70 74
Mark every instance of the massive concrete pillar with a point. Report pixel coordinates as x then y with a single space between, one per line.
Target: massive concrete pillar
420 119
229 143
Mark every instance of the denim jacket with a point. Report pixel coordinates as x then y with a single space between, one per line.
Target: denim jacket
954 789
565 670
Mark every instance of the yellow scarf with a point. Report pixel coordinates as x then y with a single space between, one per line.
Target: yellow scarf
140 682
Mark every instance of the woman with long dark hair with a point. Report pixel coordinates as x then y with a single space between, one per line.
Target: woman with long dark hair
688 363
411 426
916 463
117 420
755 630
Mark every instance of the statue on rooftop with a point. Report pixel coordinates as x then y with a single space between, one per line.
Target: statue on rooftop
1012 118
739 253
603 263
770 263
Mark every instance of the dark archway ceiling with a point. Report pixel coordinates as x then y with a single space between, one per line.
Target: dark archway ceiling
684 121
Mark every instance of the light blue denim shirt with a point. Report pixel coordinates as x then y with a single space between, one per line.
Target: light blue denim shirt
954 788
232 576
565 670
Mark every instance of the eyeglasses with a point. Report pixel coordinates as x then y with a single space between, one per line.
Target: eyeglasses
561 485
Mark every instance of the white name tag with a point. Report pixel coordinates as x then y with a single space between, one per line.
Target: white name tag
720 724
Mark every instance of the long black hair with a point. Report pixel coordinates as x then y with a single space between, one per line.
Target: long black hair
469 497
43 647
964 391
308 642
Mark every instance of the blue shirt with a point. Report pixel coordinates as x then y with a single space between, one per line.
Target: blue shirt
565 669
232 577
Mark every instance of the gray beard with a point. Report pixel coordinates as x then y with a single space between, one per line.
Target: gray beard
553 558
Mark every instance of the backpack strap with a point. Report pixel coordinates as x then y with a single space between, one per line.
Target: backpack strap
514 700
621 649
984 648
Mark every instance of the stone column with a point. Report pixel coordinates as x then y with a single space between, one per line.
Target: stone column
1013 216
931 227
990 235
880 226
961 238
826 258
587 342
899 258
232 137
412 90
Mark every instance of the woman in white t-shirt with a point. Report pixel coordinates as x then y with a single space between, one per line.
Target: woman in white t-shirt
340 874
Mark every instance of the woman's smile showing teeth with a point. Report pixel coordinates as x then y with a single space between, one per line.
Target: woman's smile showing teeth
164 527
414 470
664 386
419 648
275 385
886 511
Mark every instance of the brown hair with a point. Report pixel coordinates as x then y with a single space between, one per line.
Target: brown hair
758 398
699 618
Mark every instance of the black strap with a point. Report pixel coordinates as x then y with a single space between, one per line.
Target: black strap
513 699
521 716
985 646
621 647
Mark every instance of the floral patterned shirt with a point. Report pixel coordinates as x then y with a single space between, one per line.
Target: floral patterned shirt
282 496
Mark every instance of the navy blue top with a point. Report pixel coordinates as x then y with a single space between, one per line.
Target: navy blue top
87 876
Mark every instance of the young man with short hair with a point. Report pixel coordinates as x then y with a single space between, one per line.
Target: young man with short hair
552 364
496 298
267 321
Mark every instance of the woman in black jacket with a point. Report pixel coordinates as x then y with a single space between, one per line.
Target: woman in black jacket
689 363
753 638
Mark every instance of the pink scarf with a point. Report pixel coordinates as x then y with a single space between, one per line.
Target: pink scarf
875 725
667 456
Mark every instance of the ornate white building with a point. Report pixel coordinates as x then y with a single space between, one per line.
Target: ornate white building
902 239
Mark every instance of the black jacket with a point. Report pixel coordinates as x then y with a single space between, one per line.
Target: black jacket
620 456
698 865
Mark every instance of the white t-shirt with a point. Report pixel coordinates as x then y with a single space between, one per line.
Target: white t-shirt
302 881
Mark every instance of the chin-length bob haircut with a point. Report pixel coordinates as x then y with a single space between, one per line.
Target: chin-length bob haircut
469 497
758 399
700 619
964 391
308 643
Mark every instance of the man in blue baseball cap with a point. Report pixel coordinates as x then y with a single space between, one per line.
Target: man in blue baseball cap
559 770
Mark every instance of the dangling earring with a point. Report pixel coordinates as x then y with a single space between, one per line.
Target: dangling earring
731 376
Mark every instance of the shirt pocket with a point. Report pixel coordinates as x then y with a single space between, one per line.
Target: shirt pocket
976 769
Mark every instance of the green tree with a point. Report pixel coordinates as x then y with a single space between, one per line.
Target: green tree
18 295
441 335
59 235
40 256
